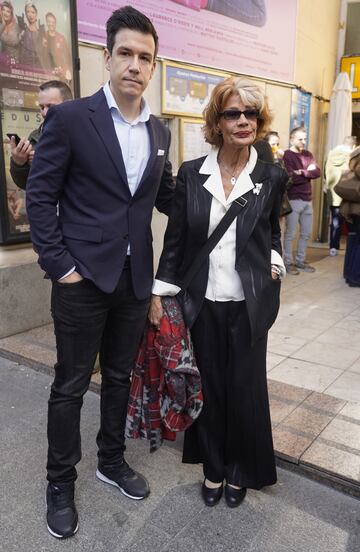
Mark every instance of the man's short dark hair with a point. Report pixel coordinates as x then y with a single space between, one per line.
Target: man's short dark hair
297 129
129 18
64 89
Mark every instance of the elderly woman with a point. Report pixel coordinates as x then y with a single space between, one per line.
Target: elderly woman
234 297
9 31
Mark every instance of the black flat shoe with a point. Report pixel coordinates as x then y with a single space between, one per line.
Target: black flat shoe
234 497
211 496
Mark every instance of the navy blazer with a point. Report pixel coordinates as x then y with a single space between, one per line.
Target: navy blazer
257 232
79 167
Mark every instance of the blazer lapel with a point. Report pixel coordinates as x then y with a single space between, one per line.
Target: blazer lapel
201 206
154 142
100 117
249 215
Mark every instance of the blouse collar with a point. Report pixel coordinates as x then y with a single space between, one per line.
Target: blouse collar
214 185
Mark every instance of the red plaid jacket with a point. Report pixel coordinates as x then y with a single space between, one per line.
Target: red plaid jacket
165 394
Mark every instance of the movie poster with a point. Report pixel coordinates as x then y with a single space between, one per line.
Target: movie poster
252 37
37 44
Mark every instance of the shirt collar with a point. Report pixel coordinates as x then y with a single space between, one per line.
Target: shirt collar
214 185
144 112
210 164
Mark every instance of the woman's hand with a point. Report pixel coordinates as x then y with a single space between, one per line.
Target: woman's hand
275 272
155 311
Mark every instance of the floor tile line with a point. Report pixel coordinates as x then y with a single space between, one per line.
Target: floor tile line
283 400
186 525
295 431
336 379
347 419
319 363
338 446
317 410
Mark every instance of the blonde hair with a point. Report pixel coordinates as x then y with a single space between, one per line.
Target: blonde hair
249 93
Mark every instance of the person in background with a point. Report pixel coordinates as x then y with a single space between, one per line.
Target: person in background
301 167
234 297
336 163
273 139
50 93
266 153
349 189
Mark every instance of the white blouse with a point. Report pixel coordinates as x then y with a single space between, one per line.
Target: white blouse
224 283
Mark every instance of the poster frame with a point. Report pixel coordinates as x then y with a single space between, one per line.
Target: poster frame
186 67
300 111
6 236
185 121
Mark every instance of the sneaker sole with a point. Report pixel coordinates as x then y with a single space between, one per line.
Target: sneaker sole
62 536
105 479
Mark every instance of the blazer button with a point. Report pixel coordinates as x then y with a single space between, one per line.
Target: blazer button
126 237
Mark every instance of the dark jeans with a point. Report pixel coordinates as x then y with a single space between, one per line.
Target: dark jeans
87 320
336 221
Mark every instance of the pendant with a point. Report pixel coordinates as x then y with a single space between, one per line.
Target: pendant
233 180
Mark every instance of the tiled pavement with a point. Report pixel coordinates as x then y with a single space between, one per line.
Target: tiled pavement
313 369
295 515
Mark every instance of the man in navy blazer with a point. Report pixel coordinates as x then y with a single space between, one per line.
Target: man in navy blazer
102 161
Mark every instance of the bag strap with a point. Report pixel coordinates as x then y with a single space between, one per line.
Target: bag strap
219 231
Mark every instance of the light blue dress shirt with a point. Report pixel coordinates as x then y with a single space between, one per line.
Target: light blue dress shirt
133 139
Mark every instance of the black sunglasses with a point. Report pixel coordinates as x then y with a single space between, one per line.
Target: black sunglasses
235 114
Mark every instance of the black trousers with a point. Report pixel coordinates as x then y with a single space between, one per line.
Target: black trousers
336 221
232 436
352 253
86 321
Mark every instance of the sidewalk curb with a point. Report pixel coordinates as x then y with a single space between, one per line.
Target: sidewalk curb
321 476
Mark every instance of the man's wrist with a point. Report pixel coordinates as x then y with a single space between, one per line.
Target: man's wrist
17 164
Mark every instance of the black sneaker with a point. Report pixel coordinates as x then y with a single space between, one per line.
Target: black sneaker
131 484
62 517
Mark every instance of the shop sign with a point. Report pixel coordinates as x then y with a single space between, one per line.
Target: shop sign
351 65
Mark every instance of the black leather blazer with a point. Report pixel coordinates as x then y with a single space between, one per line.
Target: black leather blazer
258 232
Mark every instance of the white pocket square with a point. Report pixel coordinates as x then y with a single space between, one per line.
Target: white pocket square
161 152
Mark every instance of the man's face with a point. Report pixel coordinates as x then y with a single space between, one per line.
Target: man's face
131 63
47 98
298 141
51 24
